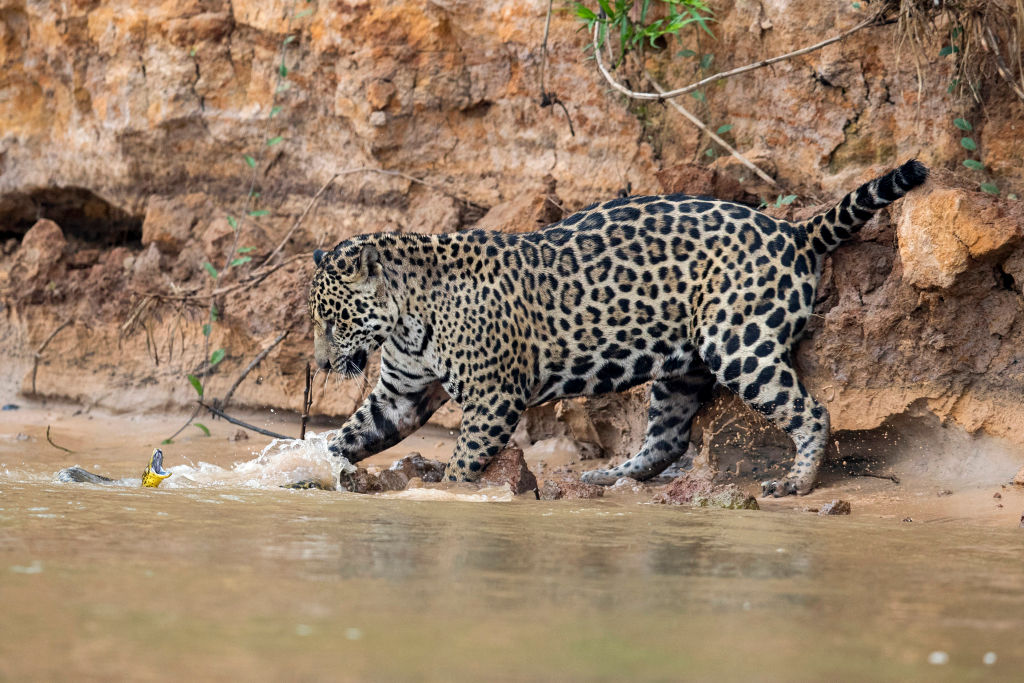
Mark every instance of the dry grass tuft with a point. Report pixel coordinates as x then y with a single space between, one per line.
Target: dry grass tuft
985 37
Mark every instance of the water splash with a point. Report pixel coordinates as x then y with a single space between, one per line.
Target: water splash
281 462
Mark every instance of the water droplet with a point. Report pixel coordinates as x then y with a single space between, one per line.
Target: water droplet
938 657
989 659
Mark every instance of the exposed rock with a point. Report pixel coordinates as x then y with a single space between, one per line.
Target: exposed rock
1018 480
628 485
38 258
835 507
569 489
239 435
363 481
415 465
170 220
699 491
509 468
942 230
694 179
526 212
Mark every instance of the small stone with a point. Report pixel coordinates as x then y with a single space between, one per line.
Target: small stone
378 119
239 435
1018 480
21 437
392 480
836 507
627 484
10 406
938 658
1022 521
415 466
569 489
509 467
997 495
944 492
908 519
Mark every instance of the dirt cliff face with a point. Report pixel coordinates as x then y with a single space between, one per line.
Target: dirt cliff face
127 125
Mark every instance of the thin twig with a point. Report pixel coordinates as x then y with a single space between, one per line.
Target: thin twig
891 477
236 421
724 74
298 221
223 403
714 136
42 347
307 401
66 450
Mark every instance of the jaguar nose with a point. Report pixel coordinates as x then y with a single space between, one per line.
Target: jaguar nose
325 364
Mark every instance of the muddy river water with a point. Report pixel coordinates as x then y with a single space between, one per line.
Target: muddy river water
222 574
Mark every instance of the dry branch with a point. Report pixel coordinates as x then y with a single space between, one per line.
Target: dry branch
39 352
659 96
236 421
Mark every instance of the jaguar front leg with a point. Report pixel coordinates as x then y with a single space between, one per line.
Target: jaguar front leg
390 413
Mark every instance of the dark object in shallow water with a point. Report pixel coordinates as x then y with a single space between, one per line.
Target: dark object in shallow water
77 474
10 406
307 484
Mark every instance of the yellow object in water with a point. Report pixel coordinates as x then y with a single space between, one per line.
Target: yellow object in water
155 472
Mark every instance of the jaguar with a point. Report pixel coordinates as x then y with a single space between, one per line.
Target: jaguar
680 291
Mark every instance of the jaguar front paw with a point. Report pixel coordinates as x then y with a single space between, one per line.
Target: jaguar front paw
785 487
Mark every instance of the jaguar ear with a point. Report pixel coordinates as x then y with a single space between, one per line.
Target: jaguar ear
318 256
369 262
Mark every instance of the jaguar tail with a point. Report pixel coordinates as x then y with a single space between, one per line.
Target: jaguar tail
830 229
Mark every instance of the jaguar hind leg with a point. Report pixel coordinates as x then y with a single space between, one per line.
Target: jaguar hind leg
674 402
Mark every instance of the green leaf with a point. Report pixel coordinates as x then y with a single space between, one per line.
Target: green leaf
584 12
963 124
686 53
202 427
856 5
784 201
257 214
968 144
214 314
946 51
282 70
709 152
1011 196
245 250
232 222
254 193
706 60
725 128
990 188
206 329
275 110
303 13
698 95
274 140
217 356
239 261
166 442
976 165
192 52
249 160
196 384
282 87
210 269
288 39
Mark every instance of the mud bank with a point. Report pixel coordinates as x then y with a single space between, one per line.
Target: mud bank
124 155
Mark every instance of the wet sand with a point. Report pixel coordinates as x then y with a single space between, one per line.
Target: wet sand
228 578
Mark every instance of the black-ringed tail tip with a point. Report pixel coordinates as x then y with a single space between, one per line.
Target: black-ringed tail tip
155 472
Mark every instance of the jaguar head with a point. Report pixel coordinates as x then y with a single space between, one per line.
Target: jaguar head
351 307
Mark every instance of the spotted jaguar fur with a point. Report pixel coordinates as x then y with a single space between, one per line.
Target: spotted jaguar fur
681 290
